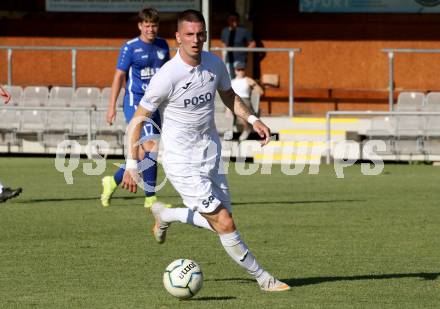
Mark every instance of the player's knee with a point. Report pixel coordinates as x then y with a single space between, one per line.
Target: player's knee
226 224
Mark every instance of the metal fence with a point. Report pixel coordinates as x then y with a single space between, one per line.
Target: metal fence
329 116
391 52
75 49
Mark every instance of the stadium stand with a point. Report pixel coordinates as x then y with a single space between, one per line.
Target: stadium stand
33 121
59 122
10 119
112 134
60 96
105 97
432 124
35 95
16 94
87 97
383 128
409 128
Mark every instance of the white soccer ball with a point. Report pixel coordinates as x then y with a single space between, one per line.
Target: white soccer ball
183 278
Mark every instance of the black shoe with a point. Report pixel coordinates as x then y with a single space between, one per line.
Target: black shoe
8 193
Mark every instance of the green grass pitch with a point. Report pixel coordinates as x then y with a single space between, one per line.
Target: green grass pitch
357 242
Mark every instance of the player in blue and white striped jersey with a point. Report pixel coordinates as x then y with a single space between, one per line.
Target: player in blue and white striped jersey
139 59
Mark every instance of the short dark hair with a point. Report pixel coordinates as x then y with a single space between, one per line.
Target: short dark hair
148 14
191 16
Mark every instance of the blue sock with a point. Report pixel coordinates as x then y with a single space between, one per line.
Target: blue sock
149 173
119 174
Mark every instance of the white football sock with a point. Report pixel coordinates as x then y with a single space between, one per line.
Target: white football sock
184 215
240 253
1 187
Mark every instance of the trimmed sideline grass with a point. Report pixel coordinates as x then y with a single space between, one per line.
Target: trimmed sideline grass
357 242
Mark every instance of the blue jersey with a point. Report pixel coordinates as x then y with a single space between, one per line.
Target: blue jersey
141 61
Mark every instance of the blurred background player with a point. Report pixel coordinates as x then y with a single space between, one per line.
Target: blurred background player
7 193
243 86
236 36
139 59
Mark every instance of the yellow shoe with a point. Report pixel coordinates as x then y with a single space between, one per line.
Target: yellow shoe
108 187
150 200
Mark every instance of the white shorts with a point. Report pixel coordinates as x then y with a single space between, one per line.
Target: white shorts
199 178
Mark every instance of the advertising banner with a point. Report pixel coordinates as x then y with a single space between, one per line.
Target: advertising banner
120 6
369 6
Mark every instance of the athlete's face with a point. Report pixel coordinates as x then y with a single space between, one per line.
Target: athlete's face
148 30
191 36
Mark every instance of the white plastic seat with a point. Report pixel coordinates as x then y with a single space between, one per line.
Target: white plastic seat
86 97
105 97
410 101
16 94
432 102
384 129
60 96
432 124
33 120
60 120
35 96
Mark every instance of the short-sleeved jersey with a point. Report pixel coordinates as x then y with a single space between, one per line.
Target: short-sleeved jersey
185 95
141 60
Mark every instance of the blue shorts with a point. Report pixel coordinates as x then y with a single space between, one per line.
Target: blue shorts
151 128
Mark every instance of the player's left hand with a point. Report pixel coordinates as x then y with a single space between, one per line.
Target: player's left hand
130 180
263 131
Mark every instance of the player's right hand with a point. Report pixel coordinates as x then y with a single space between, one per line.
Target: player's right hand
111 115
263 131
130 180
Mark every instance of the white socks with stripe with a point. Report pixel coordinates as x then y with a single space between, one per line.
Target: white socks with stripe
184 215
240 253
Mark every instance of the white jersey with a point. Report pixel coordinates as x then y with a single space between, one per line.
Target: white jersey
192 148
241 87
185 96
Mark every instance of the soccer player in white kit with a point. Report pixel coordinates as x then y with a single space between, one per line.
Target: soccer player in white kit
184 90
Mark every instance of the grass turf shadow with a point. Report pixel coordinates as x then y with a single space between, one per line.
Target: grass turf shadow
210 298
297 282
298 202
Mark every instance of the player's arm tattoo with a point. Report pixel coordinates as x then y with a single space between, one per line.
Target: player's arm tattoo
235 104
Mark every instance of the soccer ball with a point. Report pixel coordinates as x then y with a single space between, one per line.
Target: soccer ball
183 278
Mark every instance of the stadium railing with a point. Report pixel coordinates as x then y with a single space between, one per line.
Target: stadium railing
75 49
291 53
391 54
40 125
418 135
51 116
